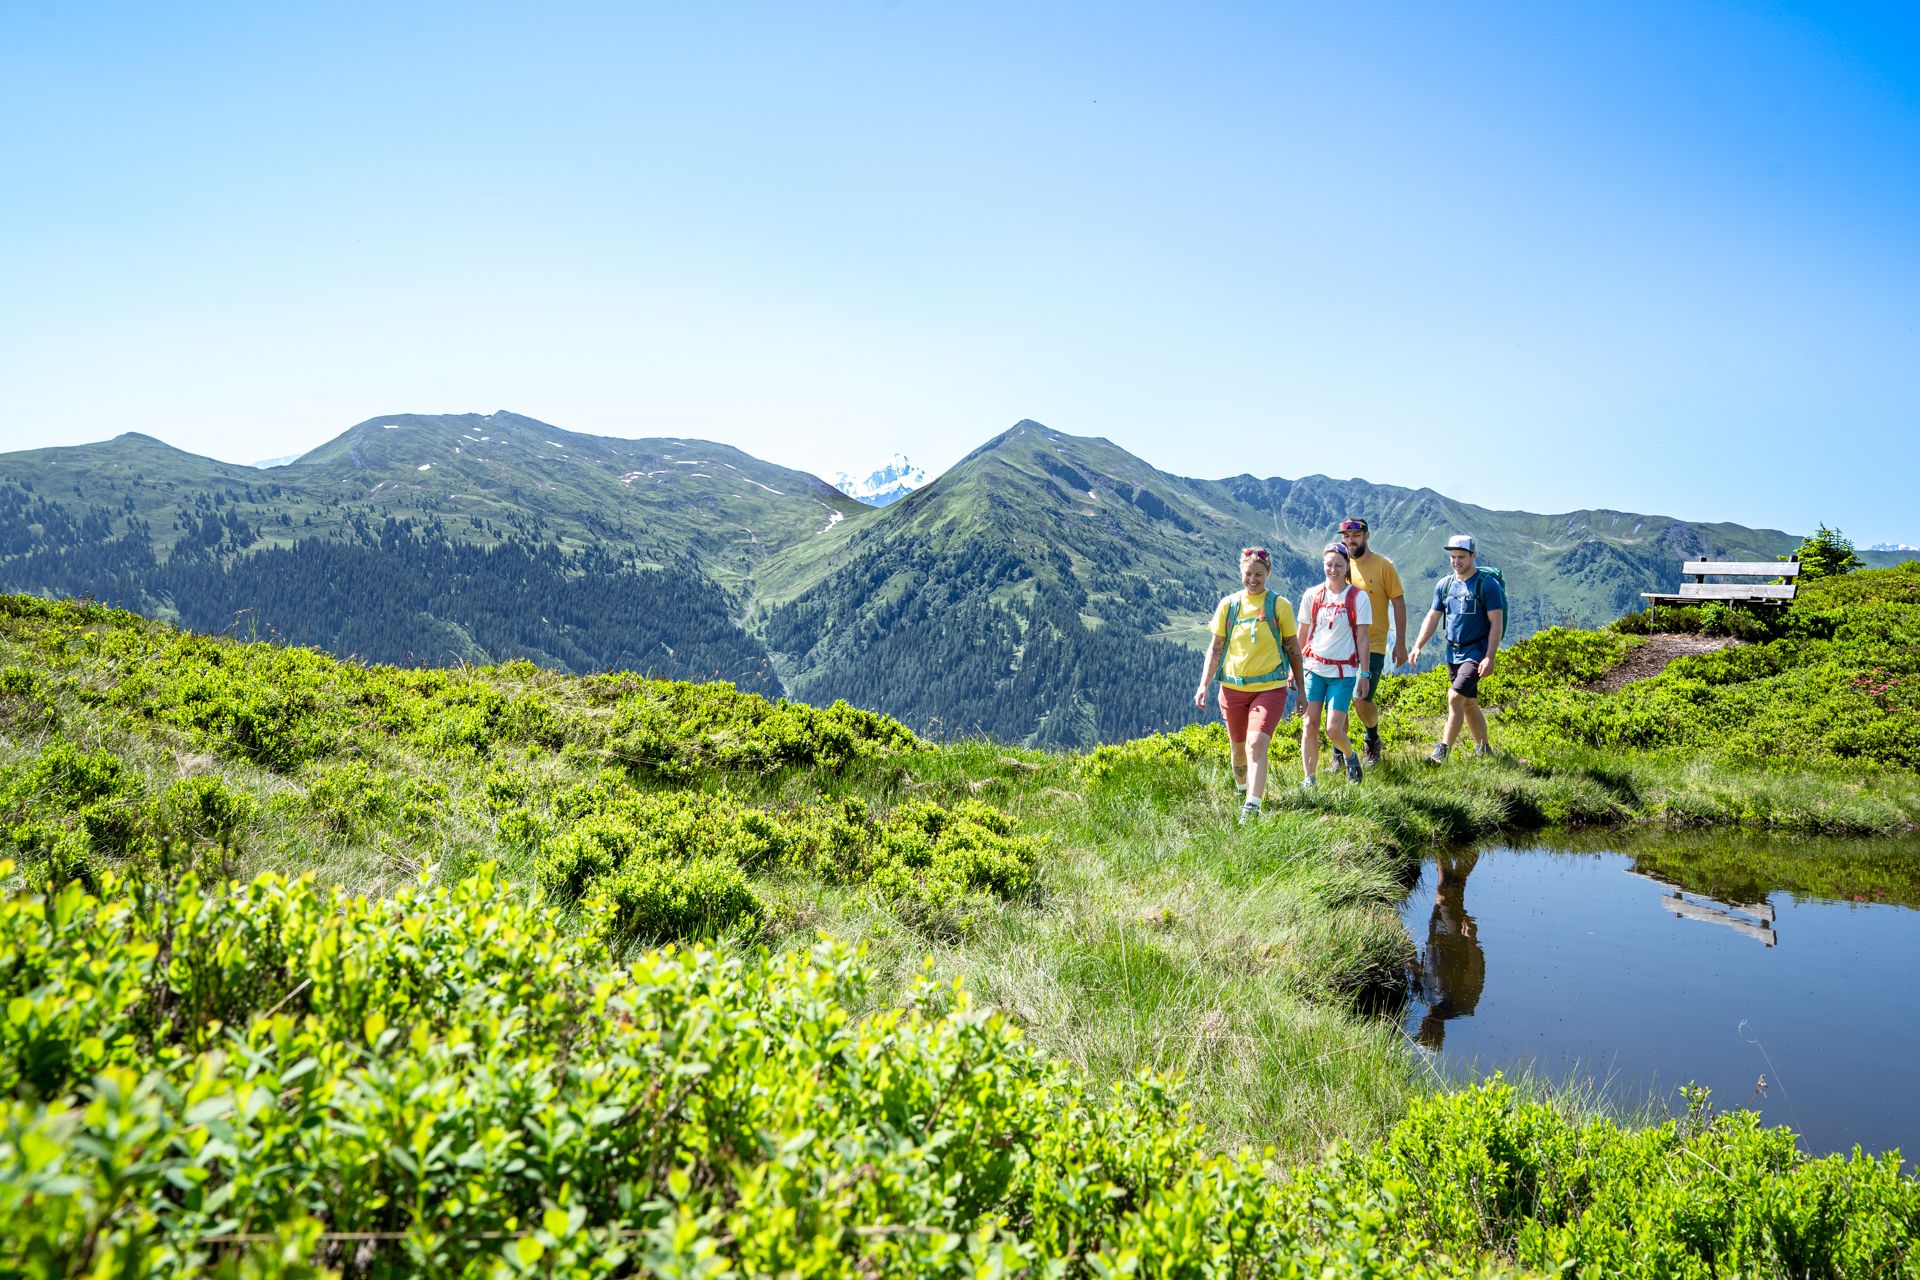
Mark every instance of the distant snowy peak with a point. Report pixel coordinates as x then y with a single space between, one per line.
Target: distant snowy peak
893 480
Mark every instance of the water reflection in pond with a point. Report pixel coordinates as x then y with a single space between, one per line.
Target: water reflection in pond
1772 971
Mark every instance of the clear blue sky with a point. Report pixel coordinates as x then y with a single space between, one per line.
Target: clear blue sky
1655 257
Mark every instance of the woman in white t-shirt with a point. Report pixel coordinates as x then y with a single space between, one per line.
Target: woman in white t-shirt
1334 617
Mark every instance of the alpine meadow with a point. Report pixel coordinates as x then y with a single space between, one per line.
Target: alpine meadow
319 967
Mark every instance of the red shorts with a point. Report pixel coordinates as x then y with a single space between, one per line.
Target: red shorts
1252 712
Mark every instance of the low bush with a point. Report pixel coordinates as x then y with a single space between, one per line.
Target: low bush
649 899
271 1080
943 862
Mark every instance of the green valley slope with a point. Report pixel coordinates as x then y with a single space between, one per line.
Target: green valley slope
1051 589
1055 588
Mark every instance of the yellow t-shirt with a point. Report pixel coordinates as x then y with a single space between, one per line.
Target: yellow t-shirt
1252 649
1381 581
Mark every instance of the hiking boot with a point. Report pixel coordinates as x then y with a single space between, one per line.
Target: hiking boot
1372 750
1309 782
1339 757
1439 753
1249 811
1353 768
1484 751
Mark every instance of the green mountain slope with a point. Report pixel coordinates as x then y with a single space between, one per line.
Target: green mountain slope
427 539
1055 588
1049 588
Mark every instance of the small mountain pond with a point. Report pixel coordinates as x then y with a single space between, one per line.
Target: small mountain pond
1772 970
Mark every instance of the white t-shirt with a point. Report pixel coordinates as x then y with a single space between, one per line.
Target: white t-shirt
1330 635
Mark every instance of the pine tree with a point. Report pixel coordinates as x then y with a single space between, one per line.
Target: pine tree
1826 553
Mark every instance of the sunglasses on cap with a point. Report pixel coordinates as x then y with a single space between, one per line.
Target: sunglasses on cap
1256 553
1353 526
1337 548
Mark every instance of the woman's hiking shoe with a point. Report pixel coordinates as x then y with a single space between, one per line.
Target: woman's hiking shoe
1484 751
1309 782
1353 768
1439 753
1249 811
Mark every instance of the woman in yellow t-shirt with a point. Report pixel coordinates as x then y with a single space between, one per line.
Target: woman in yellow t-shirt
1254 649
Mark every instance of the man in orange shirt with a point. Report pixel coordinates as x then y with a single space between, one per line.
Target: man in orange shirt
1374 574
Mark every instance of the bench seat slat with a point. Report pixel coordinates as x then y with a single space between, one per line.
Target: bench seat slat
1658 598
1763 568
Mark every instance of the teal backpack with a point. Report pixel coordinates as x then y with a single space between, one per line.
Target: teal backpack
1270 613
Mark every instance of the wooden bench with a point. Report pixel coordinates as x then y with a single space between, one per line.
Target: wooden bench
1700 591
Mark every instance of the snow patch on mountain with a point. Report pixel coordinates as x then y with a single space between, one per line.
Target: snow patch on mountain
891 481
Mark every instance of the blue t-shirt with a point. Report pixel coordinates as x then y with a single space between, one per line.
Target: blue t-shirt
1465 605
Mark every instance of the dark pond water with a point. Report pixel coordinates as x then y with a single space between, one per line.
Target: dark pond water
1781 974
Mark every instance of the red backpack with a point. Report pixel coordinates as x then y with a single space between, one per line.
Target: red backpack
1353 620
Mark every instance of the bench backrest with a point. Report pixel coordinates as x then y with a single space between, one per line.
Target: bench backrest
1701 589
1759 568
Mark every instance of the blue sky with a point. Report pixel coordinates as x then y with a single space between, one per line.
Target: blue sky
1652 257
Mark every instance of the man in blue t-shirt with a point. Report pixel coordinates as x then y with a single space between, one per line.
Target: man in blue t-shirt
1474 607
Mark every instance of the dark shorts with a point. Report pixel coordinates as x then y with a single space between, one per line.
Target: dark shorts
1376 667
1466 677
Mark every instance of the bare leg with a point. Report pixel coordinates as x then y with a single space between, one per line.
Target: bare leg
1310 739
1257 744
1240 765
1337 731
1368 714
1476 722
1456 712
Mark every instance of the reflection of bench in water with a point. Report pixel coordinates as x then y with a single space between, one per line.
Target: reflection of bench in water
1752 919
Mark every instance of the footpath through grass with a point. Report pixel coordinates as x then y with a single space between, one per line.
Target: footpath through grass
1104 918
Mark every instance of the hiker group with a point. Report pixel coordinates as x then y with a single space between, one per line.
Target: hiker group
1327 658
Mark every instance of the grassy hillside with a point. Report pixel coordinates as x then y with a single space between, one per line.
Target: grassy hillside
1021 593
1050 590
1832 681
476 1085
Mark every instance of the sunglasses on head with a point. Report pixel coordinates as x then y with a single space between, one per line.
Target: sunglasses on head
1353 526
1256 553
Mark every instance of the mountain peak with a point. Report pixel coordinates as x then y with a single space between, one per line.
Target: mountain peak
891 481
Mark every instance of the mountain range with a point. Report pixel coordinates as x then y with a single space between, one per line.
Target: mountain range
1048 588
886 484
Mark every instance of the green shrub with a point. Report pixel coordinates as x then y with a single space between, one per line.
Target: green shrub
1194 742
207 807
1480 1172
938 860
354 798
462 1090
649 899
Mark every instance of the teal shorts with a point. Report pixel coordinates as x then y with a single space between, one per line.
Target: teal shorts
1335 691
